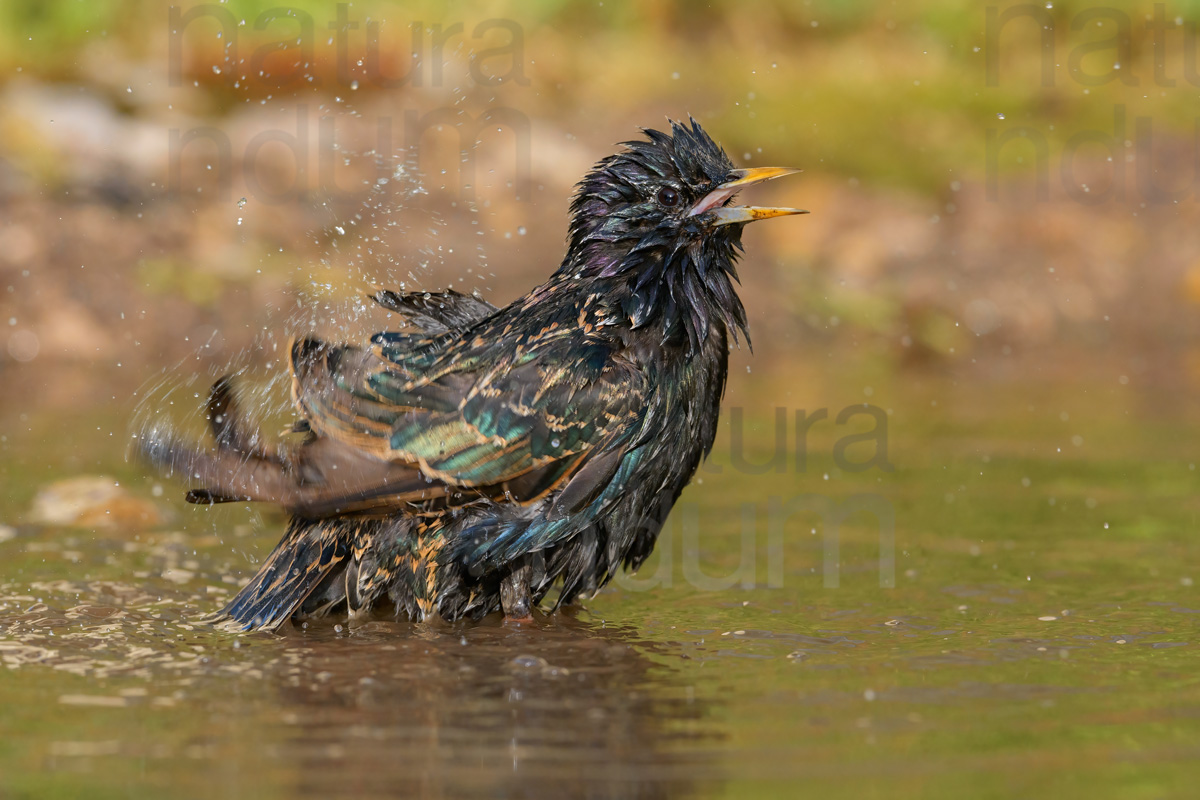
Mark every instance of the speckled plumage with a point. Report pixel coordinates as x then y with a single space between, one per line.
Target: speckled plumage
485 455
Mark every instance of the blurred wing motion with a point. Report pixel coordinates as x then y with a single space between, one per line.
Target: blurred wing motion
411 426
413 420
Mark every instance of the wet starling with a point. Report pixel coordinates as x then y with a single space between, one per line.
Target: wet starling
487 454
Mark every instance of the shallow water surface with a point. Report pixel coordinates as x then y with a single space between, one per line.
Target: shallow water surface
1039 639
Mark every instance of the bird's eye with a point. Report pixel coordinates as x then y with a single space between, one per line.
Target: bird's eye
668 197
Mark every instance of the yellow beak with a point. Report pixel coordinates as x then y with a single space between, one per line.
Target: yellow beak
713 203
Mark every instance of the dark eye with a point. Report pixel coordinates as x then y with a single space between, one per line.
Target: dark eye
668 197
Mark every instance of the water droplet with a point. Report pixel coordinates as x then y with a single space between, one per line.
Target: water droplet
530 662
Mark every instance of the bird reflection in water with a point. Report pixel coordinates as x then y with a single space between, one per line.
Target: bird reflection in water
556 708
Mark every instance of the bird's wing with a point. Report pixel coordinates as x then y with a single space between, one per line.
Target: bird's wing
511 426
436 312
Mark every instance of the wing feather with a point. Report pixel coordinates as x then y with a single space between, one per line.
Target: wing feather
476 421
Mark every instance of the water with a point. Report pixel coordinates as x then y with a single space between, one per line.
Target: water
1039 639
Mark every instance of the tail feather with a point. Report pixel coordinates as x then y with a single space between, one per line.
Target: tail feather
311 555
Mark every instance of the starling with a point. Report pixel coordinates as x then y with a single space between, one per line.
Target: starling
481 456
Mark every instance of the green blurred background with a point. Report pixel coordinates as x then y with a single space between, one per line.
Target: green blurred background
987 181
1003 254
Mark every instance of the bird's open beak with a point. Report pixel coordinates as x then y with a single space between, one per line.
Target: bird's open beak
713 203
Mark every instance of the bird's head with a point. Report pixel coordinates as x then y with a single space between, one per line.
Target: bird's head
654 224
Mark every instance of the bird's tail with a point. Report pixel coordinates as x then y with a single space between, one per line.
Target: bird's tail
303 574
331 565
